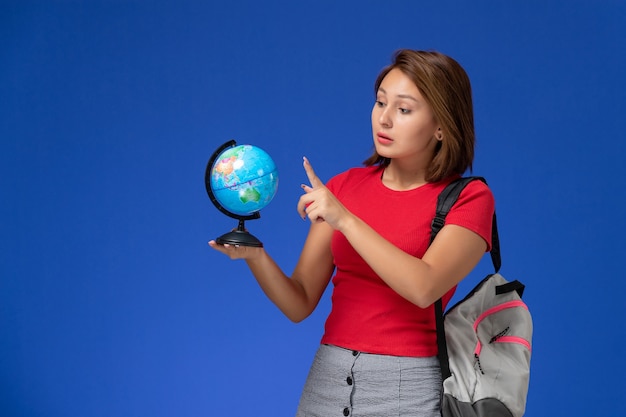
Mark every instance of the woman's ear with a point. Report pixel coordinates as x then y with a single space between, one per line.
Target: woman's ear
439 134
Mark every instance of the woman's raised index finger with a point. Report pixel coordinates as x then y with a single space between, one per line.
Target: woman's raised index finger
315 182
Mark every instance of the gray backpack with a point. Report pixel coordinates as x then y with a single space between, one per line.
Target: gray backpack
484 340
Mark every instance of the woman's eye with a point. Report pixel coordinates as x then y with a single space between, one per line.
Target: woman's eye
379 103
404 111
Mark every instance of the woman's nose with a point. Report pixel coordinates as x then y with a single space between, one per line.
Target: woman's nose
384 118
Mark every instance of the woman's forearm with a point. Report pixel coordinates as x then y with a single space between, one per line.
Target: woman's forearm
286 293
455 252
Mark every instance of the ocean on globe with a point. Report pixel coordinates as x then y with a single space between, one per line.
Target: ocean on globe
244 179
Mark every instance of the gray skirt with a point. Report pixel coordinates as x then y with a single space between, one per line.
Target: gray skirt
343 382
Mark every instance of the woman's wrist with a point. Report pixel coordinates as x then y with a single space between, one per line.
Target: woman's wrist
348 222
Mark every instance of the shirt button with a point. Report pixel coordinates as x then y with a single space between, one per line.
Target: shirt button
346 411
355 352
349 380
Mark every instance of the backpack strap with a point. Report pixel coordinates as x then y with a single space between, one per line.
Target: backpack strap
447 199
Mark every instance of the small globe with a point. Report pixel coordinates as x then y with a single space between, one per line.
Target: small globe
244 179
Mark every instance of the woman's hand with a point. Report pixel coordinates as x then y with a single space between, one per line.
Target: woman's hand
236 251
318 203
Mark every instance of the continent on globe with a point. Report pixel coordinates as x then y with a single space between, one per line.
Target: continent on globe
249 195
226 166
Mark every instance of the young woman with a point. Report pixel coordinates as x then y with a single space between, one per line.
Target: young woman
370 227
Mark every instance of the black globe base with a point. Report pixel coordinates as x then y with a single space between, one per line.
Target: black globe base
240 238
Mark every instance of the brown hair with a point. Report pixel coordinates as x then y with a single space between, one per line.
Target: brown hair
446 87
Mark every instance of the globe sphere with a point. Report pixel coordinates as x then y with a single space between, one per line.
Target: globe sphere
244 179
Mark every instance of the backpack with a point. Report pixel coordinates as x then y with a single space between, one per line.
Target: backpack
484 340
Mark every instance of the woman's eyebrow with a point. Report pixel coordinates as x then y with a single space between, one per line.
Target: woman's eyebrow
406 96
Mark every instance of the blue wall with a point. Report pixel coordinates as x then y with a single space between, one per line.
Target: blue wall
111 302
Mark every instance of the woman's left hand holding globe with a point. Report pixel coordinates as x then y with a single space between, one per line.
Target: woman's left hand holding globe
237 251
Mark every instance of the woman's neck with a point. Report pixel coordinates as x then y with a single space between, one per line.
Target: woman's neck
401 178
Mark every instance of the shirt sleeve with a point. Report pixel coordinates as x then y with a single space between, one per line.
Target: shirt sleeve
335 184
474 210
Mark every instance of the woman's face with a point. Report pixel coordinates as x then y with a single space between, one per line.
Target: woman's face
403 124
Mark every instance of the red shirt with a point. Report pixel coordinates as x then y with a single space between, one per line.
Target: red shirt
367 315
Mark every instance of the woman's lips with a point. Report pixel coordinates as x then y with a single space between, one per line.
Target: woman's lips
383 139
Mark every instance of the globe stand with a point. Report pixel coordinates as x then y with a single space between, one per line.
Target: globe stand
239 236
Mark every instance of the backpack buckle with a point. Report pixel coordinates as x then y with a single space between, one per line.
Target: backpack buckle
437 223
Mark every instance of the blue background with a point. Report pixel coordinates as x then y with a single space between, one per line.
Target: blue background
111 302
